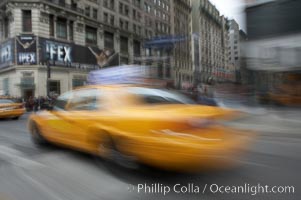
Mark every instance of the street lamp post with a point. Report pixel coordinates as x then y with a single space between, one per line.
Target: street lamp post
47 62
48 76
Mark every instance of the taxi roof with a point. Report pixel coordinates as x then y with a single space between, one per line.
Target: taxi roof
108 86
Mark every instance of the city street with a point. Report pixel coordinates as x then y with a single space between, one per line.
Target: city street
28 172
111 76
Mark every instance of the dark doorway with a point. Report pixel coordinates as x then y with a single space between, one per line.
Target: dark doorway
28 93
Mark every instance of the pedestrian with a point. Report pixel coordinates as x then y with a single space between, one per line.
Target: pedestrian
36 104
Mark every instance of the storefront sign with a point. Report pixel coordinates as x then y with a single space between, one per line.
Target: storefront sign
71 55
26 49
26 58
6 53
58 51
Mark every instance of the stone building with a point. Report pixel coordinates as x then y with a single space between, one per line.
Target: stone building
273 46
158 31
212 31
236 37
170 49
183 71
49 46
71 37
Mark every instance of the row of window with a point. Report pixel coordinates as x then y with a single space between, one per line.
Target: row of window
109 4
108 18
137 3
148 33
157 12
124 9
161 15
63 27
155 52
161 27
91 12
54 85
136 15
162 4
123 24
137 29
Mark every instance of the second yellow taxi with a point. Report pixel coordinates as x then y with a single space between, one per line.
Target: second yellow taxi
10 109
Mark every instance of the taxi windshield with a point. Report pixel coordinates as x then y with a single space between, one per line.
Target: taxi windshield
159 96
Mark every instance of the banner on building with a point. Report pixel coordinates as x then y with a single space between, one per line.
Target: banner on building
71 55
26 50
7 53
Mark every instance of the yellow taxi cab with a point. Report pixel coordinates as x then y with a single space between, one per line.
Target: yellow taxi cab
128 123
10 109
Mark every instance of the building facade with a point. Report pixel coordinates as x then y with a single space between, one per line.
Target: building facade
243 75
49 46
234 49
212 31
183 69
273 45
256 2
158 30
170 49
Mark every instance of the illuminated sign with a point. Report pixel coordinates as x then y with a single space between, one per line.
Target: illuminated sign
26 50
6 53
27 58
65 54
58 51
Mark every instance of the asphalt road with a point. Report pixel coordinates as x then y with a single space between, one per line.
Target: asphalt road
53 173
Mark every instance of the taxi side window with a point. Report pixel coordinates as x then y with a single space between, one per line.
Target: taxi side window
152 99
86 99
159 96
61 101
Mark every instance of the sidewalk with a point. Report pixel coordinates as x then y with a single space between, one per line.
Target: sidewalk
272 122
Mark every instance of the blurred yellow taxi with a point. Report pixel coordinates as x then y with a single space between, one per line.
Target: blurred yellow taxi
128 123
10 109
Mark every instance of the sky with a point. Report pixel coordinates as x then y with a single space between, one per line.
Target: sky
233 9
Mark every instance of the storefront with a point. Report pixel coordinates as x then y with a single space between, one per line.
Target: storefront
35 66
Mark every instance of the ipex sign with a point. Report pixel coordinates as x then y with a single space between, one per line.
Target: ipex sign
6 53
58 51
26 49
27 58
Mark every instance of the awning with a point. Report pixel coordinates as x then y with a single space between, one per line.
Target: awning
26 86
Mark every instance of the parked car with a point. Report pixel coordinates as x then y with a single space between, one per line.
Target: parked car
10 109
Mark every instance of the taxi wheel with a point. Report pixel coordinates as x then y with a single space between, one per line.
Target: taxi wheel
36 137
15 118
114 156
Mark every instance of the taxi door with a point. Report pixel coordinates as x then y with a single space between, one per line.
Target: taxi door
72 124
52 125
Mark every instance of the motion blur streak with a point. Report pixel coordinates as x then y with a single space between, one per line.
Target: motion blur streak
220 110
141 128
